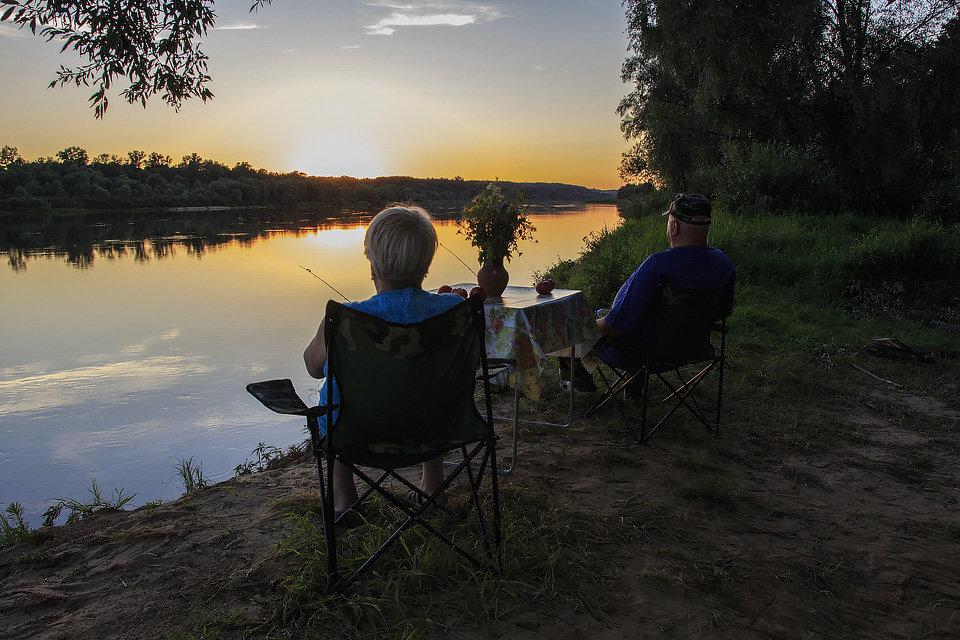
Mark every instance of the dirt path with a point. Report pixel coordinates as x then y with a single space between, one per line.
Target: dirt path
834 519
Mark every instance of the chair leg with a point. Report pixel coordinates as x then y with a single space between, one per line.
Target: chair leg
643 410
716 425
330 525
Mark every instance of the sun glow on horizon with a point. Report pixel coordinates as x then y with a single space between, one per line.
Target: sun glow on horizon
336 152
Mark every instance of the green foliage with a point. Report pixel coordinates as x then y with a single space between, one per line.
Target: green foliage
774 176
791 106
78 509
191 475
495 224
151 43
546 555
8 156
111 182
803 278
264 453
12 527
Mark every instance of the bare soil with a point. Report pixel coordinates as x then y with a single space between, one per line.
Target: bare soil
828 512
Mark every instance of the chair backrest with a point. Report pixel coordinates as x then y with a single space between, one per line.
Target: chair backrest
405 388
681 322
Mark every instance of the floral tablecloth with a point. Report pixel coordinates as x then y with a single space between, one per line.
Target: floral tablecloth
526 326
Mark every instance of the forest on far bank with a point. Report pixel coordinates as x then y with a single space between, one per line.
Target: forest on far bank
72 180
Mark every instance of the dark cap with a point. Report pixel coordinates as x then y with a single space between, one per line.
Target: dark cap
687 206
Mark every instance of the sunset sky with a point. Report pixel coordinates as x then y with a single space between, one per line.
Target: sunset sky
517 89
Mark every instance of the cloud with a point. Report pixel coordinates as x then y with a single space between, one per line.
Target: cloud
7 31
430 14
350 46
240 26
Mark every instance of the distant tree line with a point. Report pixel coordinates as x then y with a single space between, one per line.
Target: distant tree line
73 180
816 105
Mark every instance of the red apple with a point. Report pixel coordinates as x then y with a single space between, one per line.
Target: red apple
460 292
479 291
445 289
544 286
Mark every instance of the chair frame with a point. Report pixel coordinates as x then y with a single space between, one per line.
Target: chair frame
681 392
478 456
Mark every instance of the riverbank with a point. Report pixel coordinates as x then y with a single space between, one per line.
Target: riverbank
828 508
833 518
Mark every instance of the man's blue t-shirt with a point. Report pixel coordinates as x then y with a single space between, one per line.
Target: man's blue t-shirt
407 305
693 267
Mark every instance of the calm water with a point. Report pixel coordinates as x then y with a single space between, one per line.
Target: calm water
120 355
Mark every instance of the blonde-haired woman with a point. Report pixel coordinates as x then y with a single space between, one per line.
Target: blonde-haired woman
400 244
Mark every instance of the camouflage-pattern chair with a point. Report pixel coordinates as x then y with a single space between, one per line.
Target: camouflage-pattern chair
684 324
406 396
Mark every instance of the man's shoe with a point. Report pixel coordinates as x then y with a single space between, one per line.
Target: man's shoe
582 380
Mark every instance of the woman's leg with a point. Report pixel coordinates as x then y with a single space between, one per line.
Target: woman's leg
432 475
344 488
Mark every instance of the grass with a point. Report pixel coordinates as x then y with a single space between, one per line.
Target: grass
12 526
265 454
423 588
80 509
191 475
803 280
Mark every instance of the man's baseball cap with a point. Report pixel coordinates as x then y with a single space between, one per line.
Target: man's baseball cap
687 206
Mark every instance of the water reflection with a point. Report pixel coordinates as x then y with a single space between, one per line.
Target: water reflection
123 350
82 239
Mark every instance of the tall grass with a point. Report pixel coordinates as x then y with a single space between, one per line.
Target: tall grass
190 474
422 587
800 278
79 509
12 526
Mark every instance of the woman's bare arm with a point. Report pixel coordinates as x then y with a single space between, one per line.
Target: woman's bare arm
315 355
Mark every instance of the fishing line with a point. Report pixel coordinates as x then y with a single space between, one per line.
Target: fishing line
472 272
324 282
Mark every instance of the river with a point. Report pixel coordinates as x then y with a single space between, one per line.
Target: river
127 344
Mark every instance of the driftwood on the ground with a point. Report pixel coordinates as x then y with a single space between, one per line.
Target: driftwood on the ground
893 349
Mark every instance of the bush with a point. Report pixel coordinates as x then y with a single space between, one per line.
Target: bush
774 176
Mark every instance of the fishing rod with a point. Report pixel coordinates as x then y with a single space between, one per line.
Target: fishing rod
324 282
472 272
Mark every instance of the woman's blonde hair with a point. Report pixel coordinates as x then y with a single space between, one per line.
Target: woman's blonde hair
400 243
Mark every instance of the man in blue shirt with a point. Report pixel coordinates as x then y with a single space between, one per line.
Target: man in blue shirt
689 263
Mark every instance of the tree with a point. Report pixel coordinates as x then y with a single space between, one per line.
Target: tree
8 156
136 158
155 160
75 155
822 78
152 43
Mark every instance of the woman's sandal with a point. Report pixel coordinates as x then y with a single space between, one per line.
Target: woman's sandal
417 499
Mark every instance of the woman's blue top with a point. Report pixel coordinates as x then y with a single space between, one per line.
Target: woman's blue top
407 305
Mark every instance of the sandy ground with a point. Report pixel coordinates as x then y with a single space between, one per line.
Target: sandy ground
834 518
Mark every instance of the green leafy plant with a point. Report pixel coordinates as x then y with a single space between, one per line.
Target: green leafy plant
191 475
12 527
78 510
264 453
495 224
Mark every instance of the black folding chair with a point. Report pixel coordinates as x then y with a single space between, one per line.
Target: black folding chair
406 396
684 325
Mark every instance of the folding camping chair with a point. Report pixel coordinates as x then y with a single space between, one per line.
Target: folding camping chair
683 325
406 396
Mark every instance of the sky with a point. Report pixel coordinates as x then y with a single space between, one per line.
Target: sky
521 90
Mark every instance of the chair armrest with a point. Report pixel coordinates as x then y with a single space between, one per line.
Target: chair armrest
496 366
280 396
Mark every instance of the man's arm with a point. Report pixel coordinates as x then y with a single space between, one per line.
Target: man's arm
607 330
315 355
